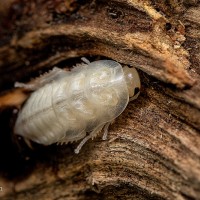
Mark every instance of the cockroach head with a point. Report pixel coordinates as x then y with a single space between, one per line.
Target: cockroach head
133 82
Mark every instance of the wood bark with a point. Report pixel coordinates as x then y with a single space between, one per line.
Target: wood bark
153 147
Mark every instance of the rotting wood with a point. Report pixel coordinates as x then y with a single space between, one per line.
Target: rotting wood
153 147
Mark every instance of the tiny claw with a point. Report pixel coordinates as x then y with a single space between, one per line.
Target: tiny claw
76 151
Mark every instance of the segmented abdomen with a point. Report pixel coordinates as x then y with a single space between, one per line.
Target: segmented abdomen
74 104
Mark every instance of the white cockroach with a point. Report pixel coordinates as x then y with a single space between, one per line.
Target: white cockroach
67 106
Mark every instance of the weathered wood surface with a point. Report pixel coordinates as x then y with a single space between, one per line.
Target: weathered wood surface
153 149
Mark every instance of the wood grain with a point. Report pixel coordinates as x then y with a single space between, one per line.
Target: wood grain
153 148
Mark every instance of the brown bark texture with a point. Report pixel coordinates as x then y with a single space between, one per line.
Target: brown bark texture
153 147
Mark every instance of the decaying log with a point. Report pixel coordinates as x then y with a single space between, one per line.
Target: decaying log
153 148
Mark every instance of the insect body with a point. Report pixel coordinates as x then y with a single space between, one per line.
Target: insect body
78 104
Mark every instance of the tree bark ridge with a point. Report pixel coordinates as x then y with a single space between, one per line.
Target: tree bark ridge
152 151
